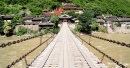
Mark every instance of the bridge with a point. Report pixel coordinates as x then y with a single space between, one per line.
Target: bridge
66 51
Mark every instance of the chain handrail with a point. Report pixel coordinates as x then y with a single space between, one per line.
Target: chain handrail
118 63
112 41
24 56
17 41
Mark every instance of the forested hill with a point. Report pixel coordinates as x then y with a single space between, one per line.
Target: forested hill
35 6
114 7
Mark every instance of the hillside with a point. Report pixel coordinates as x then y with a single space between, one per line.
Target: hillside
31 7
114 7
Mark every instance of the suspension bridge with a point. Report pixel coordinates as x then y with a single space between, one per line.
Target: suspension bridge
66 51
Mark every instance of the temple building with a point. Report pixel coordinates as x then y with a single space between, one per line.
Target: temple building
35 22
66 7
65 18
70 6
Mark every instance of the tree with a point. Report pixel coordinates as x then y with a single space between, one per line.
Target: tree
7 28
54 20
94 26
21 31
72 13
97 11
85 21
3 10
17 19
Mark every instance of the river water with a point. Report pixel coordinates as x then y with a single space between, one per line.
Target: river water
118 52
13 52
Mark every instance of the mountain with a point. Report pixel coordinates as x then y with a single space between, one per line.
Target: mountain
8 7
114 7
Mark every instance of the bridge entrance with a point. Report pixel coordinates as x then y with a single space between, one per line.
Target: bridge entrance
65 18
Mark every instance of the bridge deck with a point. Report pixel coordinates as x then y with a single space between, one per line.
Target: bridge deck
66 51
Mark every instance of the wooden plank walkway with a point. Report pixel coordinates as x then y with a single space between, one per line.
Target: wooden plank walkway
66 51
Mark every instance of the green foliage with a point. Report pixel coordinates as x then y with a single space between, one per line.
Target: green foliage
85 21
56 30
36 32
21 31
35 10
54 20
77 27
36 6
3 10
7 28
102 29
114 7
47 30
29 31
72 13
10 9
17 19
118 24
97 11
22 2
94 25
73 31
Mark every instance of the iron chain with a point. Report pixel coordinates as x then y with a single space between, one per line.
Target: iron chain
17 41
112 41
17 60
118 63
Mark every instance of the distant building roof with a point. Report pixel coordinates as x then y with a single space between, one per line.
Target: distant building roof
31 23
123 16
69 6
37 19
124 19
27 17
45 23
113 19
99 17
7 17
65 16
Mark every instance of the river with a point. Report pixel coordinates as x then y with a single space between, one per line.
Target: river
118 52
13 52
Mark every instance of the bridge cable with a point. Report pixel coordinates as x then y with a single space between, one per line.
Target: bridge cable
118 63
17 41
24 56
112 41
109 40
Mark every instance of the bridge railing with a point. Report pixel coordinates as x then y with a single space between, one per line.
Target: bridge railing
104 54
18 41
24 56
111 41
